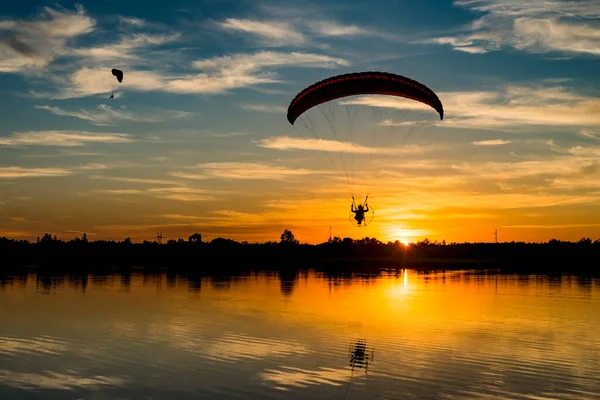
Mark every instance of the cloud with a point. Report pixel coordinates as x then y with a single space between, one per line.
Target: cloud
295 30
91 167
227 134
219 75
182 194
510 108
32 45
551 226
127 49
289 143
106 116
63 138
493 142
274 33
545 26
20 172
329 28
244 170
137 22
588 134
242 70
134 180
170 193
91 81
265 108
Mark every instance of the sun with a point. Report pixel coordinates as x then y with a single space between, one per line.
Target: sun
403 235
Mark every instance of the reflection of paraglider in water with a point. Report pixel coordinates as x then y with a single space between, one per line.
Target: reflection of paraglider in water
119 75
360 355
364 84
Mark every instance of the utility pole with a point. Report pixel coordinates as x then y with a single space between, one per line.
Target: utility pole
496 235
330 233
159 237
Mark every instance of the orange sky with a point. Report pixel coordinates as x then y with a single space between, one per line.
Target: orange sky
196 139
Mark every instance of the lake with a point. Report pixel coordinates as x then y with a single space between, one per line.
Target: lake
398 335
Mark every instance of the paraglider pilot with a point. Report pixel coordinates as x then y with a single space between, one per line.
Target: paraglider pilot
359 212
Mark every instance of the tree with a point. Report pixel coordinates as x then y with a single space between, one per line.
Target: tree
84 238
288 237
195 238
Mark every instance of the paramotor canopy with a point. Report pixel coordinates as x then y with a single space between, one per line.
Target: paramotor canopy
361 130
362 83
118 74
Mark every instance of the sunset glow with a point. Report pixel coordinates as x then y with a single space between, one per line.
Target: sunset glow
196 137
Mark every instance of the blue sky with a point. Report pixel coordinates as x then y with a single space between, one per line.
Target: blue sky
196 138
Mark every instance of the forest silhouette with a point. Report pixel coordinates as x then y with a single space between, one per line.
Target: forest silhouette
227 255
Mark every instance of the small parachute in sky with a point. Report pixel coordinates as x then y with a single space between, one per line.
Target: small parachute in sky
118 73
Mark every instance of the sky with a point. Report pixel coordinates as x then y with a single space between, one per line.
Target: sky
197 140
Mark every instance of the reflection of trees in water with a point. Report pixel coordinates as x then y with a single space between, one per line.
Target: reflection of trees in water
360 355
126 280
194 283
78 281
287 281
100 280
221 282
47 283
171 279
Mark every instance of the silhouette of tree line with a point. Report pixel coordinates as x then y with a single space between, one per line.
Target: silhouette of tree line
195 254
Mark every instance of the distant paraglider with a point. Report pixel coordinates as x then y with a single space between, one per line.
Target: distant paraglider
119 75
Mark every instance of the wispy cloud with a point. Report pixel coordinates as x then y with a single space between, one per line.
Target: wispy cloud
134 180
265 108
227 134
20 172
31 45
275 33
512 107
242 70
244 170
182 194
493 142
219 75
289 143
588 134
558 226
128 48
138 22
544 26
296 30
106 116
170 193
330 28
63 138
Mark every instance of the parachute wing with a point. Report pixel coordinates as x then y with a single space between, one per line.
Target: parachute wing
118 73
362 83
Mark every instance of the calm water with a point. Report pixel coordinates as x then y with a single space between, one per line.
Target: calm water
401 335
